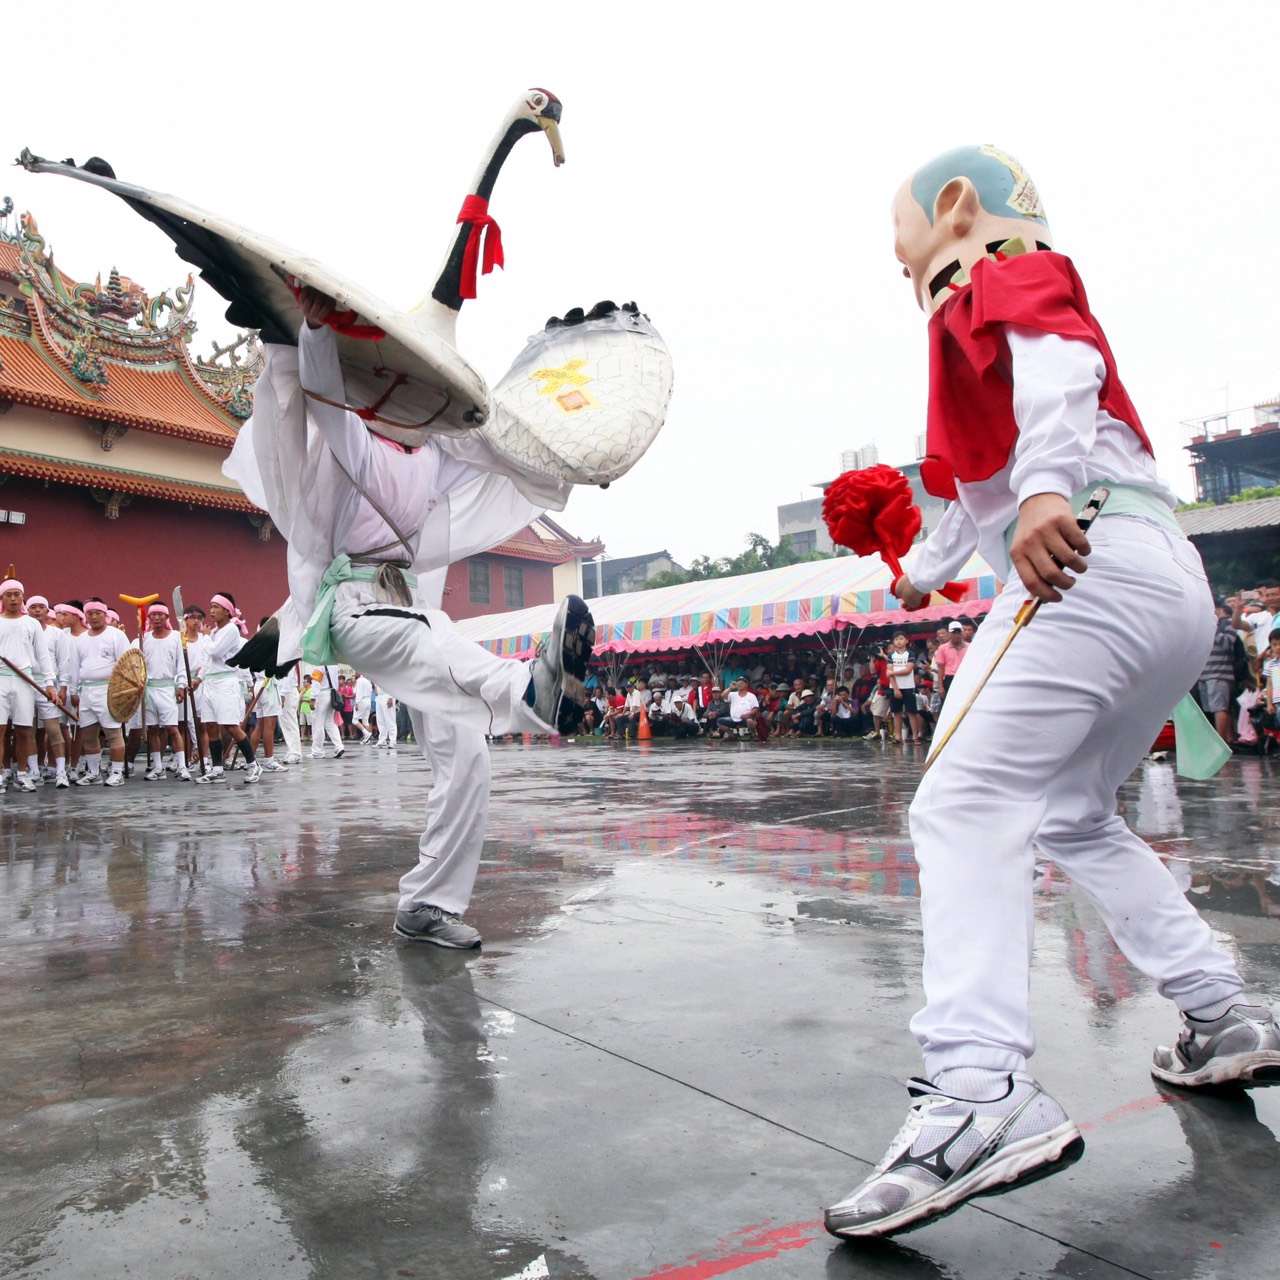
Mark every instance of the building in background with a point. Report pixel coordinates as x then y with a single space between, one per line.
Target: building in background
541 564
112 439
802 521
1235 451
626 573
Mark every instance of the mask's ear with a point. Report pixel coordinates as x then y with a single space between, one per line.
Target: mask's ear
957 207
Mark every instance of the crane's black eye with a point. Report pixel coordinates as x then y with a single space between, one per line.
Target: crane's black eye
537 101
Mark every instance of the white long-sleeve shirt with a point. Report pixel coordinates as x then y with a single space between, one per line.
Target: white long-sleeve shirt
22 643
94 657
1065 443
163 656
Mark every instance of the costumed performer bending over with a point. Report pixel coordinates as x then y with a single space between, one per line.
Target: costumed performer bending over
374 514
1026 416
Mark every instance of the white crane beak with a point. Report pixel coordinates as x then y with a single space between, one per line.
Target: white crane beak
552 130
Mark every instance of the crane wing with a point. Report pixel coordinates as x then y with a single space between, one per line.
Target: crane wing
251 271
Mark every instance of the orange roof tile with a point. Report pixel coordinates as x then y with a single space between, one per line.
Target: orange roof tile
37 467
160 399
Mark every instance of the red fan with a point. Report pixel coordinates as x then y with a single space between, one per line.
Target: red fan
871 513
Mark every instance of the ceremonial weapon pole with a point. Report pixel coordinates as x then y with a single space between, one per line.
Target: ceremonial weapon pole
1020 622
141 603
191 695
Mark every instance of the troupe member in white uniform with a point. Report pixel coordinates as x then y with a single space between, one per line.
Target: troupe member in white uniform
224 689
70 618
388 709
363 708
22 644
166 690
266 689
196 644
94 656
290 698
49 715
324 715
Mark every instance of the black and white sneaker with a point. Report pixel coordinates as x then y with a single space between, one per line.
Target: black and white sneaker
951 1150
558 674
1241 1048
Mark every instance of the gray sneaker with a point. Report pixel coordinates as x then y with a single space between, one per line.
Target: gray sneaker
438 927
950 1150
1241 1048
558 673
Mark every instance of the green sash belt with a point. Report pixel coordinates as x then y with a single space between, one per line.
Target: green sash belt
161 684
317 644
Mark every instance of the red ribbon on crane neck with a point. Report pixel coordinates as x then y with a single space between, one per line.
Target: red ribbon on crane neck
475 211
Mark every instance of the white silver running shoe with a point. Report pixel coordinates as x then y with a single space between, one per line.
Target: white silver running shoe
438 927
274 766
950 1150
253 772
113 780
153 775
559 671
24 782
1240 1048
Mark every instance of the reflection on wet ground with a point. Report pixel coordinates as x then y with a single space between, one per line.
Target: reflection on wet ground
687 1029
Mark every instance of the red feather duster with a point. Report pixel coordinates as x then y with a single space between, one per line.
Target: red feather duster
871 512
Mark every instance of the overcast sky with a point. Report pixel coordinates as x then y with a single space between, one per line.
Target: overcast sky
730 167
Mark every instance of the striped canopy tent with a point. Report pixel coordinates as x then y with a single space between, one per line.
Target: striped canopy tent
817 598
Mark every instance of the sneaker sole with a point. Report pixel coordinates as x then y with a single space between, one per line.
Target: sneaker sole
1246 1070
575 653
436 942
1018 1165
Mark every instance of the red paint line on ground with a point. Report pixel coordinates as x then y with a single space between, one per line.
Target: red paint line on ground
742 1249
1136 1107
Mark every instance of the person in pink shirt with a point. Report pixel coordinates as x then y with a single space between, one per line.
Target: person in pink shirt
946 662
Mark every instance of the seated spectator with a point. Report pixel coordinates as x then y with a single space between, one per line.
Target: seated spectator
805 719
716 708
683 717
744 707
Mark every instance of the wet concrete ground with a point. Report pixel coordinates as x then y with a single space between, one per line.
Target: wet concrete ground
685 1033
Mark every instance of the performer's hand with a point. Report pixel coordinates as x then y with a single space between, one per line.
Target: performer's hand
180 694
50 693
316 307
908 597
1046 543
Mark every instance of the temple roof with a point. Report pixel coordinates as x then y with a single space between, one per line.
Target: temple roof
546 541
113 354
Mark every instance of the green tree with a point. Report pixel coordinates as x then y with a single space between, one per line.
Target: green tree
760 554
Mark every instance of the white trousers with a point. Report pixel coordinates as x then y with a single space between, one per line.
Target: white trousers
324 725
289 700
418 657
1071 710
457 810
386 720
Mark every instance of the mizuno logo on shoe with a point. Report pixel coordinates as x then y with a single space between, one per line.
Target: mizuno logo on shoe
935 1161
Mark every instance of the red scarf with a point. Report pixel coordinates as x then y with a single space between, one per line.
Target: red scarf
971 428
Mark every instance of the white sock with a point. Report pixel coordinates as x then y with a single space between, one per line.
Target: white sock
117 766
1212 1012
60 766
156 762
95 765
33 766
181 758
973 1084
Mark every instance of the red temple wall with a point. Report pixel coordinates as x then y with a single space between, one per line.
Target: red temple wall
539 587
68 548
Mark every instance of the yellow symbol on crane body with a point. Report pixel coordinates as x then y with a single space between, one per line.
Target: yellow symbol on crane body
565 385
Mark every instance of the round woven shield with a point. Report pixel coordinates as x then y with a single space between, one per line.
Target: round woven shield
127 685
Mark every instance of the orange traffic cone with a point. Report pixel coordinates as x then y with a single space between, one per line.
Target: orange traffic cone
643 732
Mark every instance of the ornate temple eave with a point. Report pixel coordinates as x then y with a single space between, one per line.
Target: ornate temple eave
36 466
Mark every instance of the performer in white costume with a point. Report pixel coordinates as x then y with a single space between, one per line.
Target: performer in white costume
363 708
24 653
388 709
224 689
49 716
93 658
1027 415
324 714
290 698
166 691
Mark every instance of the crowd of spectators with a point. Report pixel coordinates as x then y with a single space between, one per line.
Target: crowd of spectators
890 692
1240 682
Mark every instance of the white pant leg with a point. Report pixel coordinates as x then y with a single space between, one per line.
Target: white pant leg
1070 711
289 699
386 722
418 656
327 726
457 811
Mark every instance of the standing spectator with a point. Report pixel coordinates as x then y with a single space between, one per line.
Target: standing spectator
841 714
946 662
902 689
306 701
880 699
1216 687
